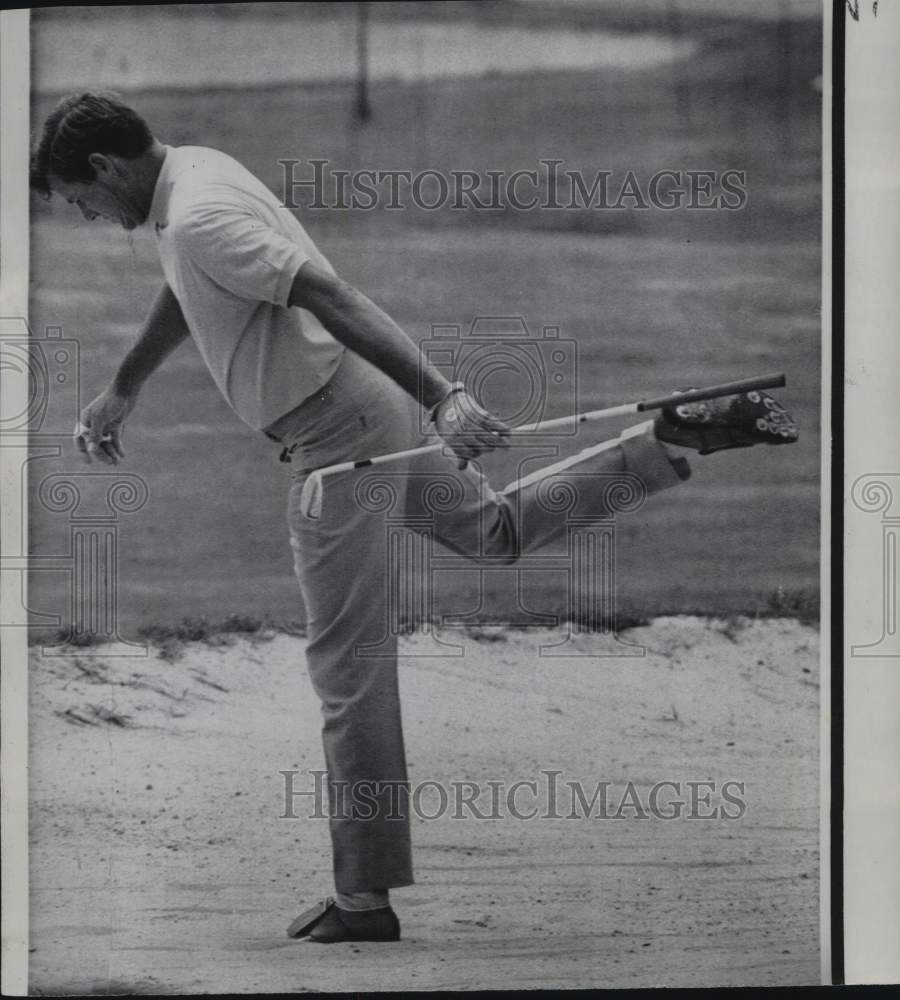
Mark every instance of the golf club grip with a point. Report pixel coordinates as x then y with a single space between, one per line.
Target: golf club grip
773 381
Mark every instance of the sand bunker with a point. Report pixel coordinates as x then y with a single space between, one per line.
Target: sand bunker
161 861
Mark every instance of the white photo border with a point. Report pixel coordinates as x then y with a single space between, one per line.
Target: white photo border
868 896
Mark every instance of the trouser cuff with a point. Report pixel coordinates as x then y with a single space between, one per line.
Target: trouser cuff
649 459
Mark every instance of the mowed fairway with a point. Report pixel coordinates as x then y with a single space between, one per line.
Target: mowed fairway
654 301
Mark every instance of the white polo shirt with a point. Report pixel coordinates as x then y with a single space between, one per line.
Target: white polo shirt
230 252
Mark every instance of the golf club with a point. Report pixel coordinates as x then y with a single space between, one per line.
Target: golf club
311 494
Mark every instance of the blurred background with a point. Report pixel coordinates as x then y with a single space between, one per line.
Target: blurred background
653 300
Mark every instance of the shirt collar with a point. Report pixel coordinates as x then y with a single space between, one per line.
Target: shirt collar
159 207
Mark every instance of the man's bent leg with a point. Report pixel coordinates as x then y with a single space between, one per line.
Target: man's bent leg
532 511
603 480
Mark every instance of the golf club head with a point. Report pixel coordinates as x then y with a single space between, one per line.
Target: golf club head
311 497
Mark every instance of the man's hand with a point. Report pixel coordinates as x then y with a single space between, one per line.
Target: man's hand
468 428
354 320
98 434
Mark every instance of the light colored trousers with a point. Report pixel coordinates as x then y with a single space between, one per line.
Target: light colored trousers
343 568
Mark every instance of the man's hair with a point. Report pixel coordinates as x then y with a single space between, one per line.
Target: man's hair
83 124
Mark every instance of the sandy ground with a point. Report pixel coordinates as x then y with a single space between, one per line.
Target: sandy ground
160 863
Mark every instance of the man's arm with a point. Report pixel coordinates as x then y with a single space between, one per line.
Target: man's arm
99 433
161 332
354 320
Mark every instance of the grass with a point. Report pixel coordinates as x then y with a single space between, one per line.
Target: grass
802 604
170 640
197 629
651 300
84 640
